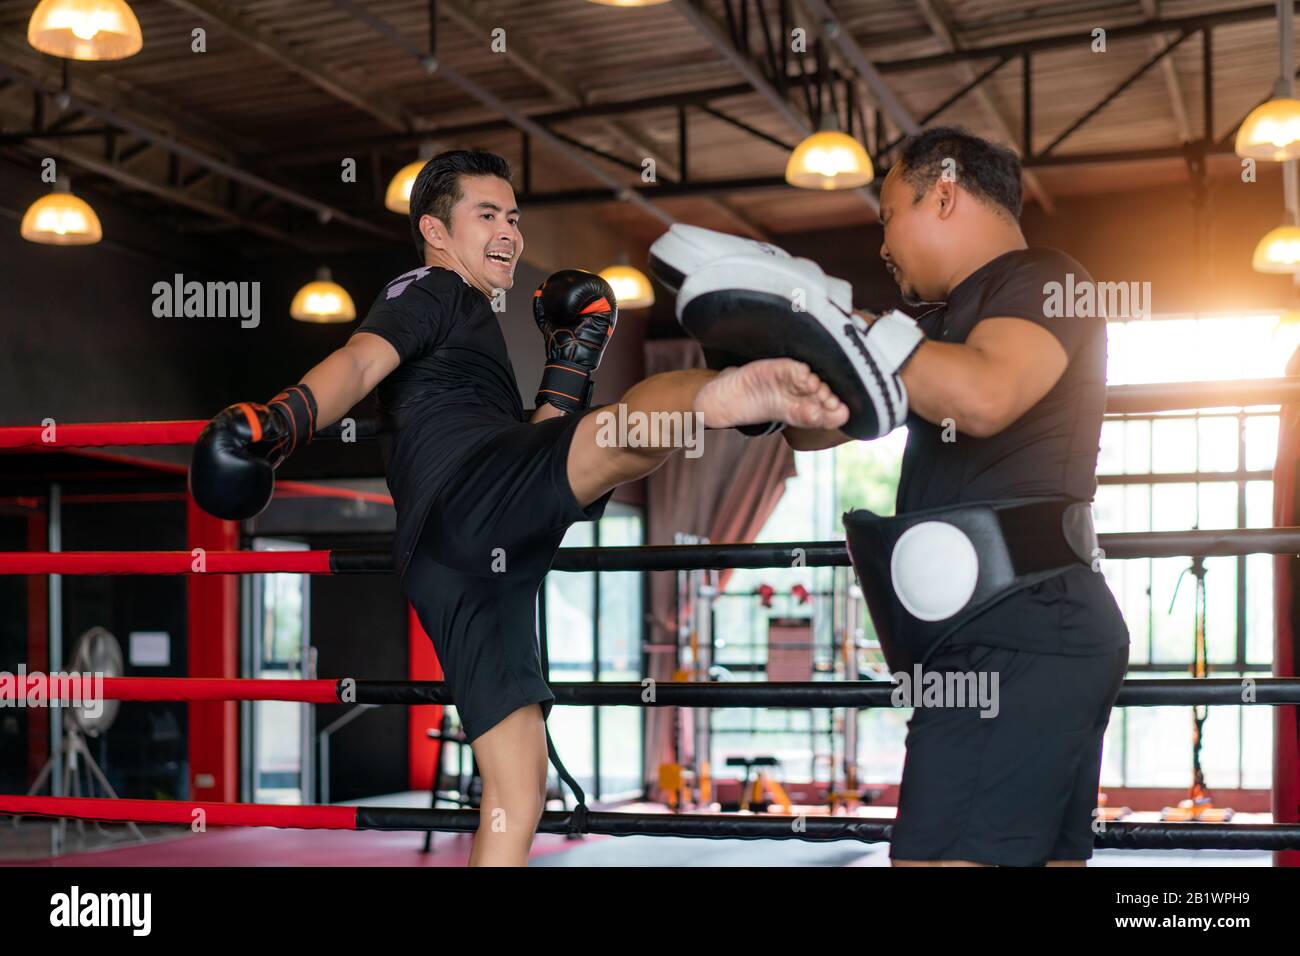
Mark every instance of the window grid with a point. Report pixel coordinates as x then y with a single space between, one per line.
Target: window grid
1119 733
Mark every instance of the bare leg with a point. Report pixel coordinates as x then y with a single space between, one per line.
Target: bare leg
768 390
512 760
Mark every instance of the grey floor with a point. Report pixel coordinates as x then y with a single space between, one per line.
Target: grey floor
679 852
683 852
30 839
30 842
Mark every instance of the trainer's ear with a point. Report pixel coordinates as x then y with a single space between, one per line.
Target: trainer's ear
945 195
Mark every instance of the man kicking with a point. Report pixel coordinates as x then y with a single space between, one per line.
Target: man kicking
483 493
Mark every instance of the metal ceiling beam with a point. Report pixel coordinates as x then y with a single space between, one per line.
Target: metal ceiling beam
179 197
324 211
939 17
526 60
747 128
490 100
1079 38
124 99
549 117
517 52
741 61
1173 85
1113 94
834 31
18 136
266 43
128 155
697 188
1066 39
745 184
1062 40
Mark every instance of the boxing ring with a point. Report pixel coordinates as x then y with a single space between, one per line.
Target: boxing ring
1282 693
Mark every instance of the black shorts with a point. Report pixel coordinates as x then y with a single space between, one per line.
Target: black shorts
486 545
1018 788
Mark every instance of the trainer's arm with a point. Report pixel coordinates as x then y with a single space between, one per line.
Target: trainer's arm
1004 367
347 375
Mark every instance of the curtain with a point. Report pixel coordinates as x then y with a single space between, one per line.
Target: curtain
725 495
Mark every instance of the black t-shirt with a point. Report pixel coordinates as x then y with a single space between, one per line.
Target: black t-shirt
1050 451
454 384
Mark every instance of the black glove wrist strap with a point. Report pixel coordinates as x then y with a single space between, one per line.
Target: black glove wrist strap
566 385
296 409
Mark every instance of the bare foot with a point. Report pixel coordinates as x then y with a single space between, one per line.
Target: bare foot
768 390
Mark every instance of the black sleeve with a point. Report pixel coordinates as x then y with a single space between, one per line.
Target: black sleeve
411 316
1026 289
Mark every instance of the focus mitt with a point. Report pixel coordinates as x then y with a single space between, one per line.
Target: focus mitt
759 306
683 250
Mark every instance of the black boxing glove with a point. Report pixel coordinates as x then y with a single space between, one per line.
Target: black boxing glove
576 312
232 470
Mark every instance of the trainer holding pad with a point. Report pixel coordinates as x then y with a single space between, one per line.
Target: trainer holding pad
744 300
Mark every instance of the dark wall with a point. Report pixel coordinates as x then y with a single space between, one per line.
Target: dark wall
13 651
359 629
80 340
144 755
1151 235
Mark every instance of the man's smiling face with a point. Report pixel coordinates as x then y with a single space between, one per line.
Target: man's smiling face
484 239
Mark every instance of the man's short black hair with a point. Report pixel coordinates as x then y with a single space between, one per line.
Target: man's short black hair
990 172
437 187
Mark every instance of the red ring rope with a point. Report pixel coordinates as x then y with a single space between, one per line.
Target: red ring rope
164 562
88 435
80 688
182 811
